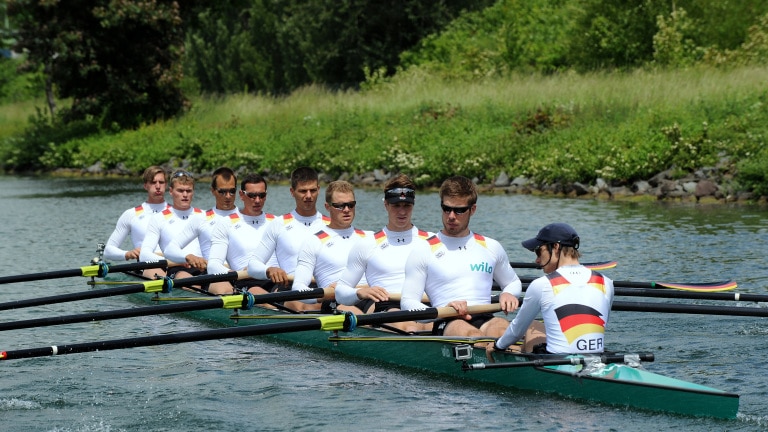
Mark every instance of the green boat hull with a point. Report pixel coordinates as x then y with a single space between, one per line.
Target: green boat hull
613 384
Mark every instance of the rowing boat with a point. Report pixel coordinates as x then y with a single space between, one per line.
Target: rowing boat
614 380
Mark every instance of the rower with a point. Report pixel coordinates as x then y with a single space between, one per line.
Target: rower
164 226
284 237
323 255
457 268
380 258
235 237
224 190
133 222
573 300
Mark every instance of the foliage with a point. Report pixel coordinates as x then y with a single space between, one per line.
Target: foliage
16 87
614 33
510 35
618 127
37 148
673 45
754 50
278 46
118 60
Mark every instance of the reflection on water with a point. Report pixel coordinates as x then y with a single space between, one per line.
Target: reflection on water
53 224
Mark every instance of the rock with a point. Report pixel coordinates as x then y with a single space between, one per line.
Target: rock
600 184
580 189
658 178
520 181
641 187
502 180
689 186
619 191
705 188
667 186
368 180
95 168
380 175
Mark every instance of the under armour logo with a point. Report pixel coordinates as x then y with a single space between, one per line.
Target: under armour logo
345 237
401 240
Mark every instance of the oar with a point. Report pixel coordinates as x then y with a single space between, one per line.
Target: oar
694 287
586 359
345 322
689 309
691 286
594 266
97 270
238 301
652 292
151 286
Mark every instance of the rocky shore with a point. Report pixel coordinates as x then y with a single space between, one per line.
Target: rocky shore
710 184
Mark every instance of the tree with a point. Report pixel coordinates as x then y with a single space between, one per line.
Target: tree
275 46
118 60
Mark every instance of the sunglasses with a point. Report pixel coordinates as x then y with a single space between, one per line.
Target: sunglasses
537 250
182 173
254 195
340 206
456 210
232 191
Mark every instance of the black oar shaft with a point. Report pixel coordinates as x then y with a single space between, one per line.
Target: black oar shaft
109 292
213 303
344 322
689 309
229 332
99 270
231 302
728 296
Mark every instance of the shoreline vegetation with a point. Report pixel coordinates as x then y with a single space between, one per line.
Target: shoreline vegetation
690 135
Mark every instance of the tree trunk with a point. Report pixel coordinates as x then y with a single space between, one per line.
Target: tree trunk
49 89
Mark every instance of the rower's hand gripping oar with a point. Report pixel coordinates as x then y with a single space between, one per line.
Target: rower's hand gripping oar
341 322
165 285
100 269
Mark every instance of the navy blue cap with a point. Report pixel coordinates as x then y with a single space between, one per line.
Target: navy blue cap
554 233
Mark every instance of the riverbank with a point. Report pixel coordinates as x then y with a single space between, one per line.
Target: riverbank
707 185
695 134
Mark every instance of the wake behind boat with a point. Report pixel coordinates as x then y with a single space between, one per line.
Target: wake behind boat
610 379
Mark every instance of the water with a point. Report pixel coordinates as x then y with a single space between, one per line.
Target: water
55 224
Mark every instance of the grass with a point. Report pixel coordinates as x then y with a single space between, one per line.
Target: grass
569 127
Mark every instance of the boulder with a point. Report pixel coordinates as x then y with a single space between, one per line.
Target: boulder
705 188
502 180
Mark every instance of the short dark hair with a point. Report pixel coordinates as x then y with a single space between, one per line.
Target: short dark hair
223 172
253 178
301 175
459 186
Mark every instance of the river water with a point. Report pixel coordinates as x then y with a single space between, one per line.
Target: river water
249 384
